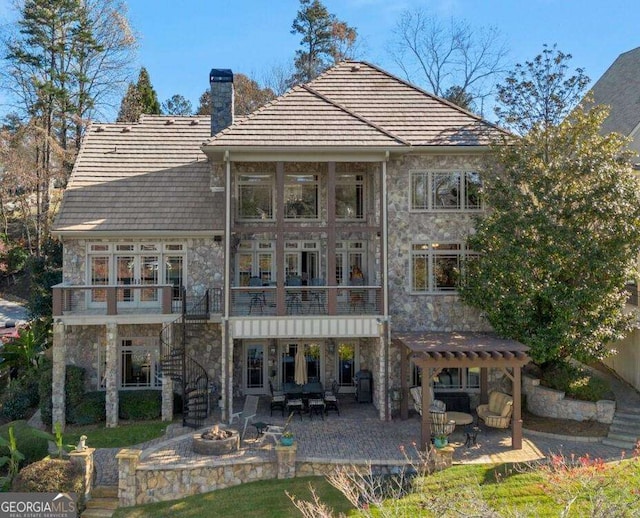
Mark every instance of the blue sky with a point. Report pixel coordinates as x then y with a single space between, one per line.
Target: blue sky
179 42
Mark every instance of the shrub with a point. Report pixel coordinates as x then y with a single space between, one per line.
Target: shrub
33 446
52 476
44 392
20 396
140 405
90 410
73 391
576 382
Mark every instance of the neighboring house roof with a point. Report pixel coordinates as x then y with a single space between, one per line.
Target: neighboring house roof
619 88
149 176
355 104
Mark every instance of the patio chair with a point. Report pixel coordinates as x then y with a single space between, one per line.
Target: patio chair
294 300
357 296
441 424
331 398
278 399
436 404
257 297
316 297
497 413
249 411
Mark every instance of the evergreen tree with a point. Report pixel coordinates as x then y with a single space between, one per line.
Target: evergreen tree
325 41
249 96
562 235
140 98
177 105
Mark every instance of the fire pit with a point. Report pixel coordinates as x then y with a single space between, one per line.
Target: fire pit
216 441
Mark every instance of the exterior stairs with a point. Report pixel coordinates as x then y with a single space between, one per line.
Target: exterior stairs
624 431
103 502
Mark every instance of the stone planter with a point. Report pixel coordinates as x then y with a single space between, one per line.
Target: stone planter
222 446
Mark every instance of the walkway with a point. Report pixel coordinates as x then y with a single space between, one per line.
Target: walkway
11 311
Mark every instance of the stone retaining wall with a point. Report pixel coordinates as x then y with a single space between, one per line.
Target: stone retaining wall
548 402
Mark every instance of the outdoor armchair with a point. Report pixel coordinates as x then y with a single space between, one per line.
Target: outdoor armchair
497 413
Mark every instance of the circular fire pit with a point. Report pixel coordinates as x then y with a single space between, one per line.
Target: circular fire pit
216 441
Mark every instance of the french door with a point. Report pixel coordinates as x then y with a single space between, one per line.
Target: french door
140 270
255 368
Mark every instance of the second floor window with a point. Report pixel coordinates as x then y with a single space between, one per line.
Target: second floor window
350 196
437 267
255 196
445 190
301 196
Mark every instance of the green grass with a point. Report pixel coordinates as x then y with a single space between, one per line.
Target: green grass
124 435
265 499
458 491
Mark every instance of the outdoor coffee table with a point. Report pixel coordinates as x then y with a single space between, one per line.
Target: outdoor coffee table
461 418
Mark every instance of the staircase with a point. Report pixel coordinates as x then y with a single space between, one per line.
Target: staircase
188 374
624 431
103 502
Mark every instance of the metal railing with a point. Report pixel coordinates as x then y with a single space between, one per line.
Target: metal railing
306 300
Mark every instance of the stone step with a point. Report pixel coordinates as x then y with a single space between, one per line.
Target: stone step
623 437
627 416
625 445
104 492
97 513
625 429
102 503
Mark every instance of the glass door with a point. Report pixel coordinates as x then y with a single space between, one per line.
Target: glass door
255 369
125 275
347 365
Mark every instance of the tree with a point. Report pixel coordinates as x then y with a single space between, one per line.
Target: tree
140 98
539 93
459 97
562 236
177 105
325 41
249 96
443 57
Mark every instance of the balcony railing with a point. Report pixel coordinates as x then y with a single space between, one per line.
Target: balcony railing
306 300
130 299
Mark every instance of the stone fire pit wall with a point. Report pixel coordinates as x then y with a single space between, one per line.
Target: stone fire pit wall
548 402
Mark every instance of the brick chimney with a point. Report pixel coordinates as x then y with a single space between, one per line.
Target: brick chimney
221 81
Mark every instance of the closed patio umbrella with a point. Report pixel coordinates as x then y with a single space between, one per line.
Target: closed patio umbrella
300 374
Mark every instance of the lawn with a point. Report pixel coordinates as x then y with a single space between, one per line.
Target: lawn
126 434
464 490
265 499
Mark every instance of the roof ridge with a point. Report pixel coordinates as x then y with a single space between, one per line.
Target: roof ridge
432 95
353 114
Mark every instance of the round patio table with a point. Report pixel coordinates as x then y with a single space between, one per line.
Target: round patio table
460 418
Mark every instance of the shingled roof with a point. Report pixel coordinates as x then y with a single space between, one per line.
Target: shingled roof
619 87
146 177
356 104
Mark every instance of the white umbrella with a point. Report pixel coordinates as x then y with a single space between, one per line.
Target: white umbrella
300 374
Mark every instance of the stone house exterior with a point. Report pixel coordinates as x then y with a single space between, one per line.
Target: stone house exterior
207 252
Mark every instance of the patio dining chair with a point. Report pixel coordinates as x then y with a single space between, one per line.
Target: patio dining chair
278 399
294 299
249 411
316 296
331 398
258 299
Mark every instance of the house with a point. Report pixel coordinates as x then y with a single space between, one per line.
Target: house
619 88
208 253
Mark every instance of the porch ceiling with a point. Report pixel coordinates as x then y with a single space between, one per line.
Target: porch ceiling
463 349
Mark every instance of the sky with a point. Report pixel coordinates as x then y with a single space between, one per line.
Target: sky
181 41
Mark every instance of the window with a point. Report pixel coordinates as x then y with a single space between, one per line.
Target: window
451 379
301 196
255 196
133 264
437 267
445 190
139 365
350 196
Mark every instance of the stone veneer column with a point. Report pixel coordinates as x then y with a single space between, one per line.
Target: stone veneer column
58 375
127 487
111 372
84 459
167 387
286 456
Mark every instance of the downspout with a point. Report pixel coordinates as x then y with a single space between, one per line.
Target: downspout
227 353
385 288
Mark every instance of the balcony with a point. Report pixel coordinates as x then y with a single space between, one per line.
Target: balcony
306 300
131 302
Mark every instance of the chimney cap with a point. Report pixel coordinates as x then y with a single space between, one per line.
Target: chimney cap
221 75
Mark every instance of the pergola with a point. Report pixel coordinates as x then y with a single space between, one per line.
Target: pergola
433 352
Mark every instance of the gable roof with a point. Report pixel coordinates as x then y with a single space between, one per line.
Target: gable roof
355 104
146 177
619 87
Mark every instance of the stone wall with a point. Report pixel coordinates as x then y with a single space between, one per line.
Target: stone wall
548 402
436 312
625 357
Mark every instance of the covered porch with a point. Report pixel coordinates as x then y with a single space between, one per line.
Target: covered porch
433 352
